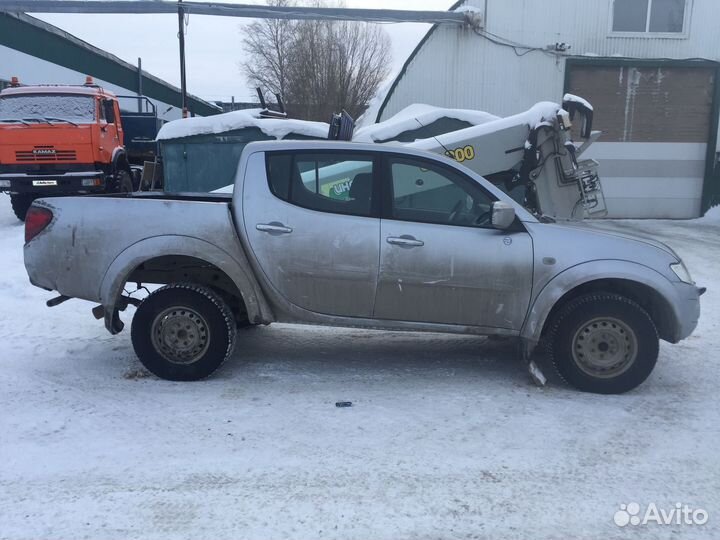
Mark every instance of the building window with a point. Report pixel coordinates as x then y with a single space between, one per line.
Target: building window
649 16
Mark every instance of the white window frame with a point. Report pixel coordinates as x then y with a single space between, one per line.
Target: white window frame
647 34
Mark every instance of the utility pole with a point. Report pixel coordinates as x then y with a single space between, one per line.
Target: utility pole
140 88
181 38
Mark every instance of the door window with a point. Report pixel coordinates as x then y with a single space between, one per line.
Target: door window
340 183
426 193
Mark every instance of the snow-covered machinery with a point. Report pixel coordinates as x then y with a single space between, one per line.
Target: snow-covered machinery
531 155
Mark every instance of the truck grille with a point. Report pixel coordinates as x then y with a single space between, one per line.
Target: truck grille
44 154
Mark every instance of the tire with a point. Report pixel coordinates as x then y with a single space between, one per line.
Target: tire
21 202
121 182
603 343
183 311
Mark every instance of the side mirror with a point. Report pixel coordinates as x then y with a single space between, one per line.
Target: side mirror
503 215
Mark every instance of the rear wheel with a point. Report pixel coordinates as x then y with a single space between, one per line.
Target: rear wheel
603 343
20 203
183 332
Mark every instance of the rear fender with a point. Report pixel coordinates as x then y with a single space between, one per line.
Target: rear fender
117 274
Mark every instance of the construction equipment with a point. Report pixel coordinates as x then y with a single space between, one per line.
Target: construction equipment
68 140
531 155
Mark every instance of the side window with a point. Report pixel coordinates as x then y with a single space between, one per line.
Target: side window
426 193
101 108
109 107
341 183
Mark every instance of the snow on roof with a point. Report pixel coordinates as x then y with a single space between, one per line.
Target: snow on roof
56 89
221 123
577 99
537 114
416 116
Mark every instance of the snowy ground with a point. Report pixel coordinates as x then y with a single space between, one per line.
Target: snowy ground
446 438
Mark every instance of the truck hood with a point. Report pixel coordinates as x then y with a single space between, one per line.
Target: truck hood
591 230
571 244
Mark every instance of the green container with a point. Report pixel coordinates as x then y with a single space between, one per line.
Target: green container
203 163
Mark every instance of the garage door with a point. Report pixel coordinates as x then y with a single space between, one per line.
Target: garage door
656 124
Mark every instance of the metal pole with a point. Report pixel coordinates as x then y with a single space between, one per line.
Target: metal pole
140 88
181 38
234 10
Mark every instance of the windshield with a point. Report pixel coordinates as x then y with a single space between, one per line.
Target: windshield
48 107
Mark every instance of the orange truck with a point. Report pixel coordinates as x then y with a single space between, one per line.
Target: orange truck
70 140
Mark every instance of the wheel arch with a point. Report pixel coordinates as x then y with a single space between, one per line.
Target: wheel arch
120 161
168 259
652 291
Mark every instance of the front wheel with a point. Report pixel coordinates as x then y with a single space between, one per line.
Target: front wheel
121 182
183 332
603 343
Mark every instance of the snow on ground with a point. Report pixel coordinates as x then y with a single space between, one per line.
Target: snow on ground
446 437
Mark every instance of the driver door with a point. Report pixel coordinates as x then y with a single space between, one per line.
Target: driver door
440 259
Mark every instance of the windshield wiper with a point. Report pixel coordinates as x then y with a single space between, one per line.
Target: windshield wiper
53 119
34 119
7 120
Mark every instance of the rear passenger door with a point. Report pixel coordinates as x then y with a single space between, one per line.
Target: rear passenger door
313 225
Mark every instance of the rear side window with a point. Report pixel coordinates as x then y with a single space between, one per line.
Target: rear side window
340 183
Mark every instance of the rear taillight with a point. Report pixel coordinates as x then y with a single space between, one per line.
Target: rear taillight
36 219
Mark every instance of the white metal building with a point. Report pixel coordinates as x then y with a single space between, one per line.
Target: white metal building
40 53
650 67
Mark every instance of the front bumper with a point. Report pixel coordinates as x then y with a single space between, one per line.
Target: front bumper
49 184
688 308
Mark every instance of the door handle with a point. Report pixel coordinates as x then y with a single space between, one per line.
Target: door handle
405 241
273 228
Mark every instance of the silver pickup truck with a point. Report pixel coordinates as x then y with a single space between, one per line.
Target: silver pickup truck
356 235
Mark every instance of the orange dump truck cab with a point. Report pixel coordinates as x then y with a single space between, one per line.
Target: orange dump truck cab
60 140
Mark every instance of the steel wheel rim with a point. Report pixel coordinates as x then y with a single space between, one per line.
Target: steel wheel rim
181 335
604 347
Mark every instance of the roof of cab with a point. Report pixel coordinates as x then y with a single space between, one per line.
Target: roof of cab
57 89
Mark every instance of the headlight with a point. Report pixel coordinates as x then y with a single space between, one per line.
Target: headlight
681 272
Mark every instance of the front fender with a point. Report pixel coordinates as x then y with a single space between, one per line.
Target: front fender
573 277
122 266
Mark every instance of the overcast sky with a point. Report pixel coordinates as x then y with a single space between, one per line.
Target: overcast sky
213 44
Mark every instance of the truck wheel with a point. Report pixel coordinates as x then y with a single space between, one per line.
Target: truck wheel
183 332
20 203
122 182
603 343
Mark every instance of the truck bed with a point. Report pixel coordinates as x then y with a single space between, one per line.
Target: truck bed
89 234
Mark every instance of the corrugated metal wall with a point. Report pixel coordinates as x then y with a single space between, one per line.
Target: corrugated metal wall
457 68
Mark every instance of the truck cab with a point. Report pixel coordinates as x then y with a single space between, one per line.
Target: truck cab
60 140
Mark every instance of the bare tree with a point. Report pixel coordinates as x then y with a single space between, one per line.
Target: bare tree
320 67
267 44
